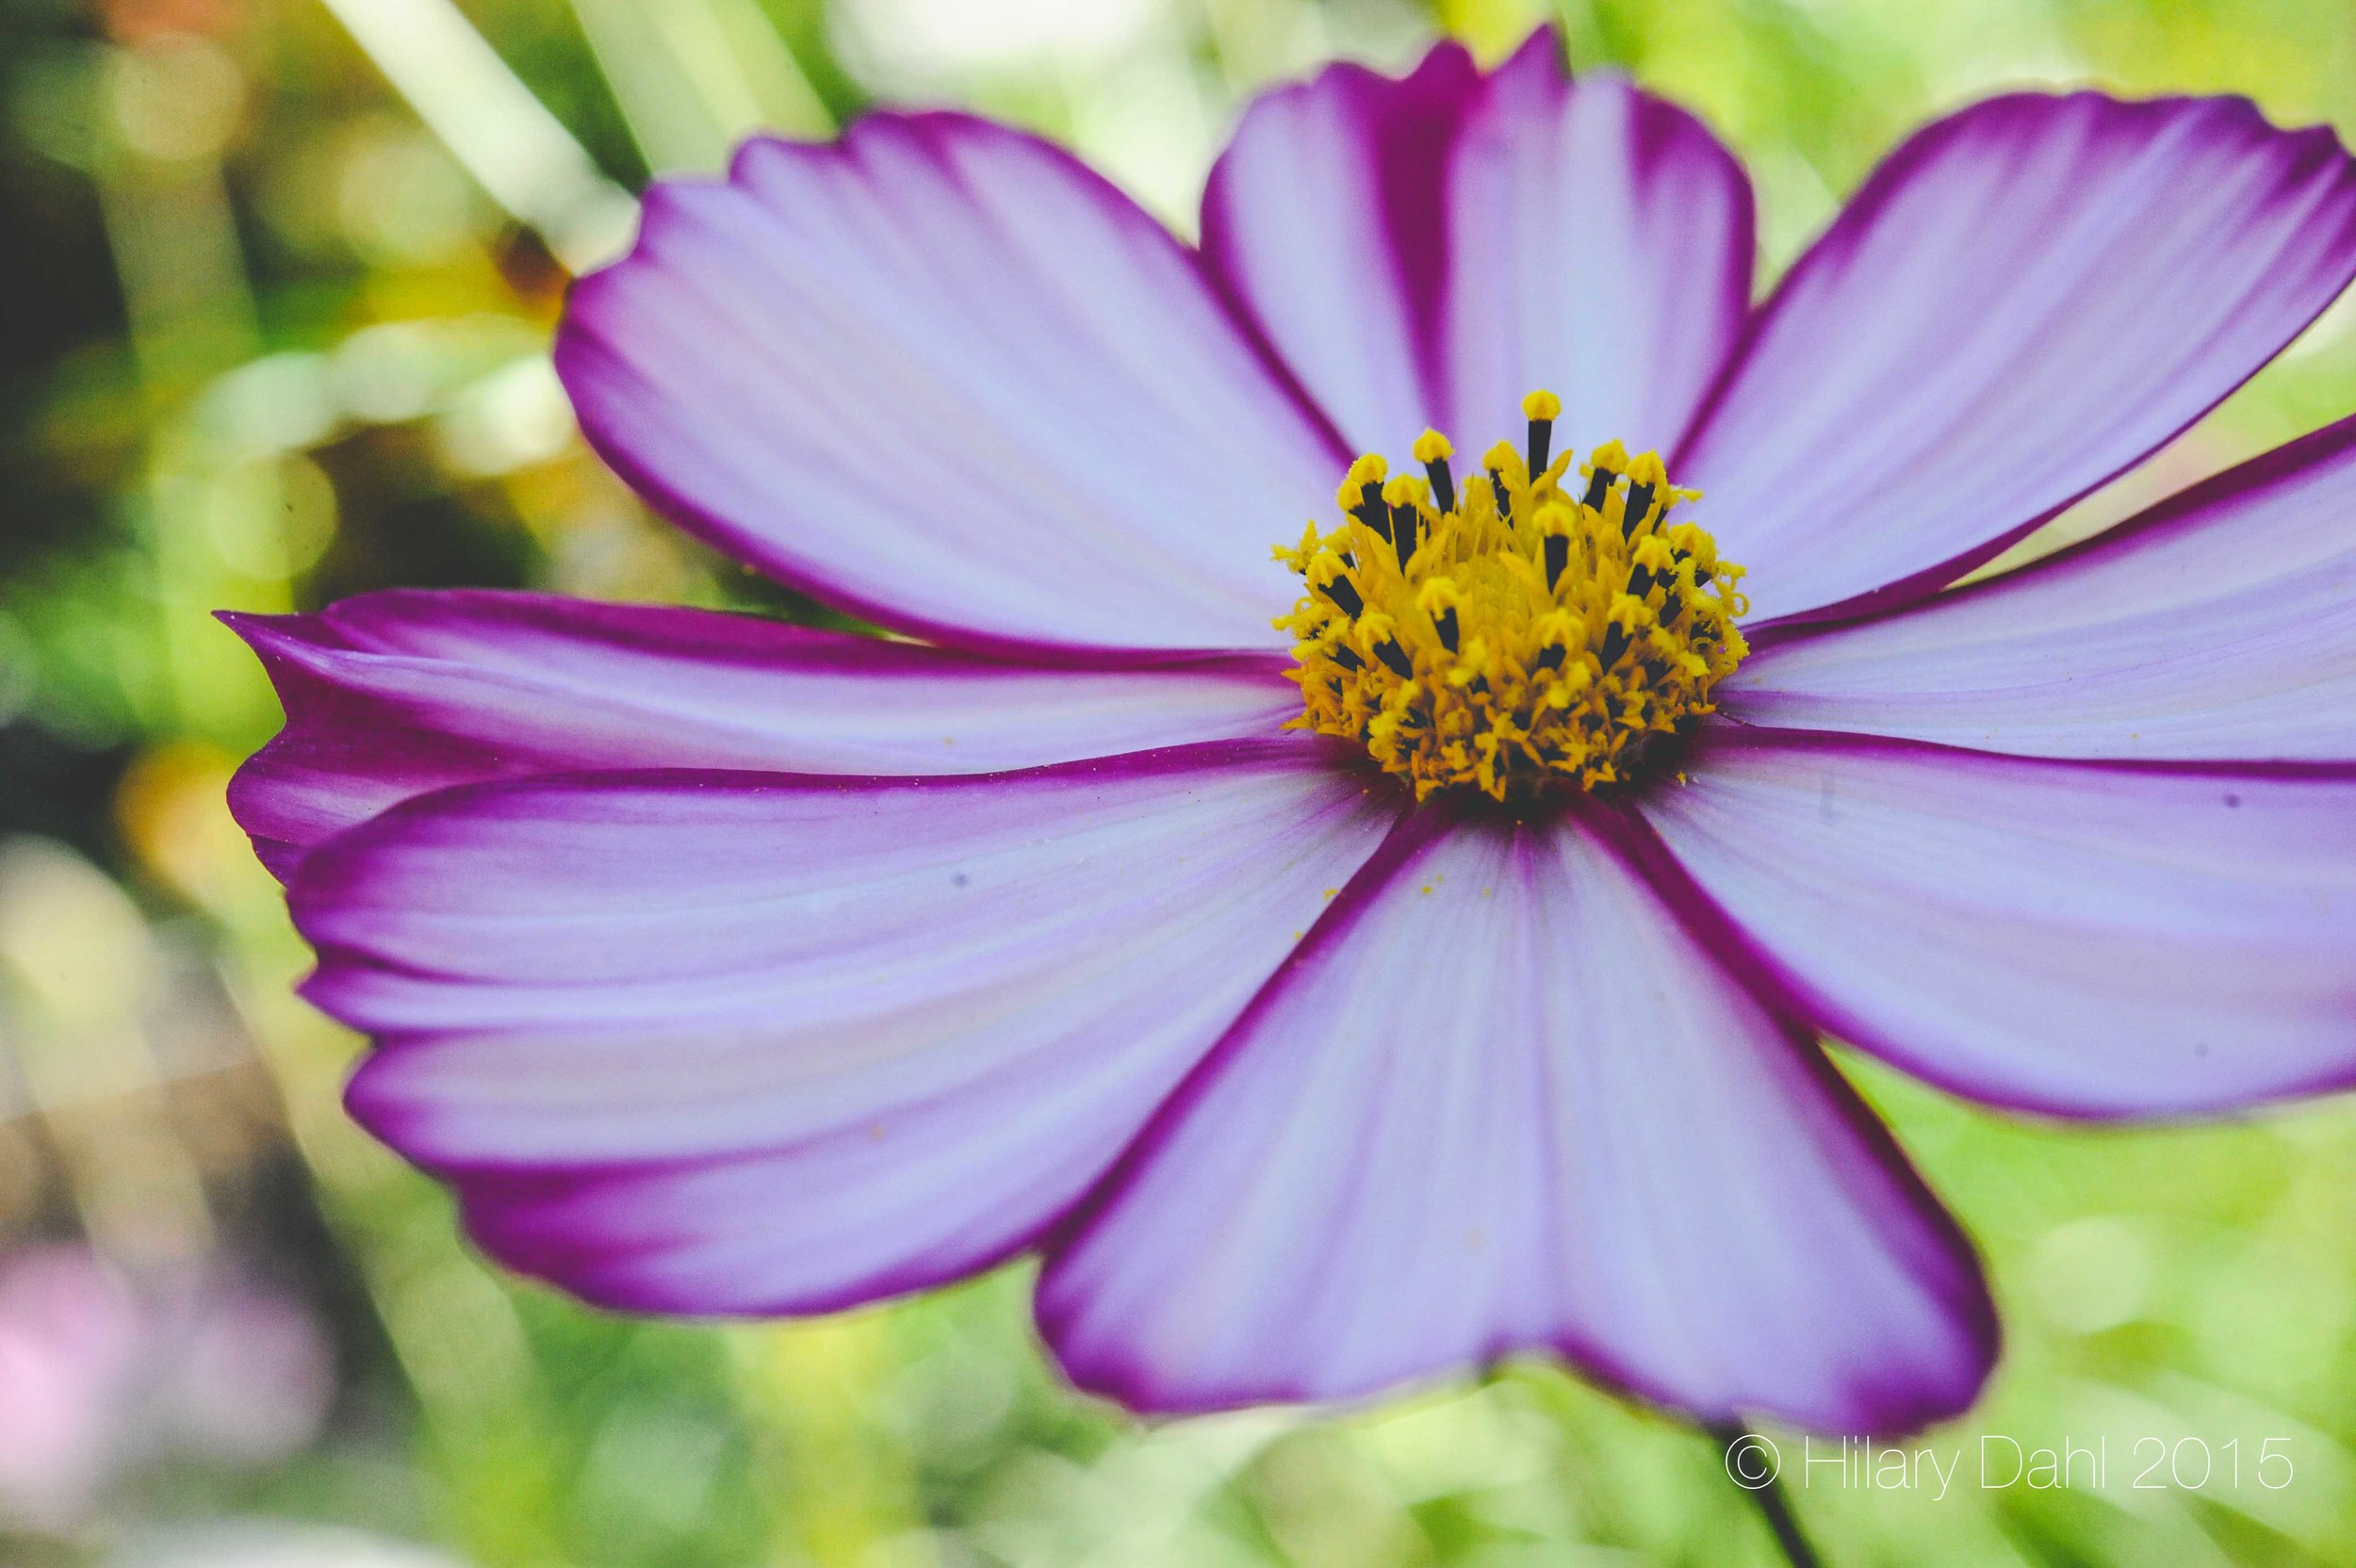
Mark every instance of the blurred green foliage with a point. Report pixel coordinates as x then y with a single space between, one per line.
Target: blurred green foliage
271 339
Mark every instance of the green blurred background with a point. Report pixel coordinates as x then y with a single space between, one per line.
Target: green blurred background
280 276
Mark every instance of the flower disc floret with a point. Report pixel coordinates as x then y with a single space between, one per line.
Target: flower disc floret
1536 625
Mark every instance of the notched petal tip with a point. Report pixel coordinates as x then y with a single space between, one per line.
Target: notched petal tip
932 295
711 1124
2111 313
390 695
1793 1263
2191 939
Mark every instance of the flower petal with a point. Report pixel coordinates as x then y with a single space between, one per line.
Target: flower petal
759 1043
941 374
1600 245
2077 938
1325 219
2219 625
2023 301
392 695
1502 1099
1425 252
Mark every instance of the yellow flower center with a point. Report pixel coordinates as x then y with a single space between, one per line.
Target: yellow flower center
1520 630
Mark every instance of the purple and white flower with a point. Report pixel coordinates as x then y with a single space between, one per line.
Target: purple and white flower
728 966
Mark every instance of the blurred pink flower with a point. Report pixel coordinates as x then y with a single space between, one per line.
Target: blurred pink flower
70 1352
99 1376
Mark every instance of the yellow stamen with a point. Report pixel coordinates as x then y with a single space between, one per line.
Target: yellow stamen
1368 469
1510 637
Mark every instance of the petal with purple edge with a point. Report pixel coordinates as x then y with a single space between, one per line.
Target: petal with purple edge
1325 219
2218 626
1600 246
941 374
1501 1098
2070 937
763 1043
2026 300
1426 251
392 695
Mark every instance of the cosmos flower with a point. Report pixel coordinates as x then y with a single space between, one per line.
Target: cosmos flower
1344 979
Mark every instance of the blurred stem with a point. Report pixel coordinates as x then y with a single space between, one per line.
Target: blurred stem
515 149
173 239
1769 1499
695 77
816 1385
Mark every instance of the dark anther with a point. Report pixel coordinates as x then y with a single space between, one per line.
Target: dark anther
1639 502
1600 486
1344 593
1550 657
1443 484
1396 658
1444 624
1671 608
1404 523
1541 443
1614 644
1558 556
1345 657
1497 488
1640 582
1371 511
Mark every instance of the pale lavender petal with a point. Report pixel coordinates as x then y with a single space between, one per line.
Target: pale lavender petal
1503 1100
941 374
2219 625
1425 252
1325 219
1600 246
2023 301
2080 939
737 1042
391 695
